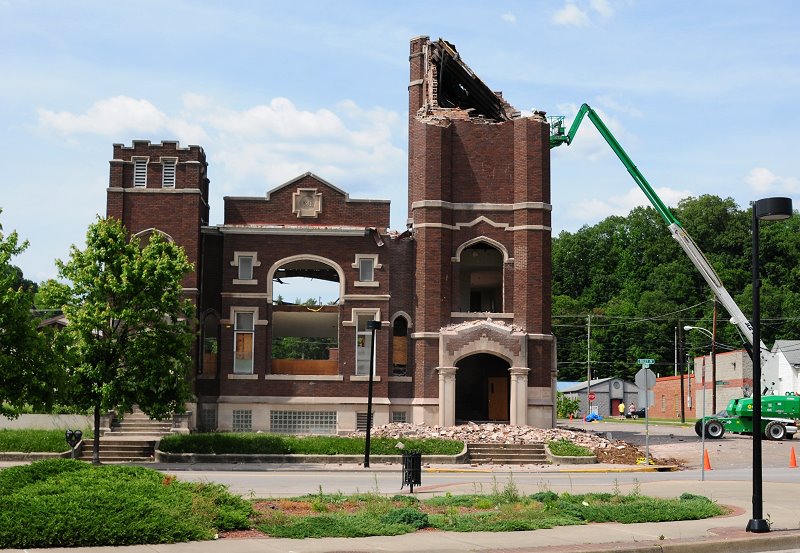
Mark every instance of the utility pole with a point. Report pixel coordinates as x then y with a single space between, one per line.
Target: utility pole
588 362
679 355
714 360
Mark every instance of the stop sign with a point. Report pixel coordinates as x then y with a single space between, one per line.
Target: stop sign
591 396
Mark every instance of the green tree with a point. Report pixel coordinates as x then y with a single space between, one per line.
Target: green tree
26 375
566 406
129 333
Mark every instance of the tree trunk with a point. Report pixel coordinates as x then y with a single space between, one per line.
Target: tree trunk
96 449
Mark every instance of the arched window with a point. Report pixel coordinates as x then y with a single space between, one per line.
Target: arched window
481 278
209 362
400 346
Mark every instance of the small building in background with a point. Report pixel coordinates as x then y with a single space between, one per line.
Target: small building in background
734 379
667 398
781 371
609 393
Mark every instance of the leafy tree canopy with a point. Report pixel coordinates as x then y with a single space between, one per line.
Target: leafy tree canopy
26 376
128 337
638 286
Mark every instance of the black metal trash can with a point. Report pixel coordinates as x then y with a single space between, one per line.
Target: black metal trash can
412 469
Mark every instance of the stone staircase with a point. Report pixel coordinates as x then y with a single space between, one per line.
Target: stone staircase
131 438
119 450
507 454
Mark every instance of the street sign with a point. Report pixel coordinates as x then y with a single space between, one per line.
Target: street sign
645 378
592 396
645 361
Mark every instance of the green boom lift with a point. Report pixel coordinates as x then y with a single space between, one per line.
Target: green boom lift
777 424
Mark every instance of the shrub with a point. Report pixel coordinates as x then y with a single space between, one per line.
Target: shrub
408 516
65 503
257 443
565 448
38 441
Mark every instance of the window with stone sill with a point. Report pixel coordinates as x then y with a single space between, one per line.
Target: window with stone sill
366 264
245 263
244 332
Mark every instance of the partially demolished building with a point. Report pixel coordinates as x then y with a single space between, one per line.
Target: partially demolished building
462 296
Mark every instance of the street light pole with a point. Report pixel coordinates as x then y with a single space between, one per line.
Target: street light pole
766 209
373 326
713 367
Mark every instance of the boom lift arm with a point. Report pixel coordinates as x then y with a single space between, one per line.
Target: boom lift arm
558 137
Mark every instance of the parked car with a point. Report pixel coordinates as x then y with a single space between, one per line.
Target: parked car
636 414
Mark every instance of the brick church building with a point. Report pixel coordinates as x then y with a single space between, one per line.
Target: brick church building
462 295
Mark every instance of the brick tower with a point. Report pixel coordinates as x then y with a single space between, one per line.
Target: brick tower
162 188
479 204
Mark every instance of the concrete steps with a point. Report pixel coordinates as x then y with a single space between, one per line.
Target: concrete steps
507 454
119 451
132 438
137 424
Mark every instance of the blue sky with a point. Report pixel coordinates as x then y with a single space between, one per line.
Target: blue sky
703 95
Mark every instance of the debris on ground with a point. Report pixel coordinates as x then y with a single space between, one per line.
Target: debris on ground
606 451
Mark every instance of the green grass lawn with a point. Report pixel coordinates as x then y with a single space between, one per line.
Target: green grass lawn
324 515
39 441
565 448
65 503
254 443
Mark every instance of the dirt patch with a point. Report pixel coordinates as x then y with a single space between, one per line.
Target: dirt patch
623 453
242 534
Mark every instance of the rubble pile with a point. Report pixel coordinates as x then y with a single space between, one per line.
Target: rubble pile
607 451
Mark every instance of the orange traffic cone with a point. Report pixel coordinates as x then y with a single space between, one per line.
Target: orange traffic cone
792 460
706 462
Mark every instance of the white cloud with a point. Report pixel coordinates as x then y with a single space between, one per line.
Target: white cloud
611 103
602 7
120 115
509 17
596 209
588 143
268 143
761 179
571 14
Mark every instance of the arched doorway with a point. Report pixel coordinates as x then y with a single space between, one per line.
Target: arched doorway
483 385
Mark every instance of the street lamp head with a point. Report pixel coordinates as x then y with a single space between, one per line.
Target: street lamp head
699 328
773 209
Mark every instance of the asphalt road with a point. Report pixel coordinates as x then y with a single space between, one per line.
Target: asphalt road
730 452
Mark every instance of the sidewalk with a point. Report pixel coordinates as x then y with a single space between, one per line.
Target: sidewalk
718 535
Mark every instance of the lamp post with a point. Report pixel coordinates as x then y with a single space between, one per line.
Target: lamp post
372 326
766 209
713 367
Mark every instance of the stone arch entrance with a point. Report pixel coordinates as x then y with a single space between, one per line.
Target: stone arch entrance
483 388
501 347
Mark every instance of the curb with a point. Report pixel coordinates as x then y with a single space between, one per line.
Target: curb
781 539
233 458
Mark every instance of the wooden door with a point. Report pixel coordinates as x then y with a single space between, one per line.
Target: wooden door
498 398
